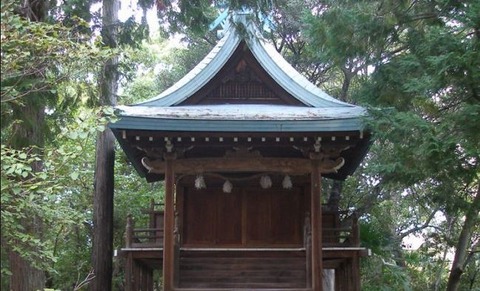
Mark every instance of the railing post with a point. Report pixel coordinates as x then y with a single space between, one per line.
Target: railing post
355 230
316 222
176 231
307 241
129 231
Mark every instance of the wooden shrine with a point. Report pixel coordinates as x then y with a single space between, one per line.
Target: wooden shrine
242 143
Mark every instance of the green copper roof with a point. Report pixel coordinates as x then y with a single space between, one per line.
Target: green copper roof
255 118
273 63
318 111
300 106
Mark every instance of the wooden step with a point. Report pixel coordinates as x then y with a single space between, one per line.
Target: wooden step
249 272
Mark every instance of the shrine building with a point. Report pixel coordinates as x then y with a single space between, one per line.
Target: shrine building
242 143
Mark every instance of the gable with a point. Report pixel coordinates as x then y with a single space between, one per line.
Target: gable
244 69
242 80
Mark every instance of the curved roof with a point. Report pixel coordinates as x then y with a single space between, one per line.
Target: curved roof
271 61
175 109
242 86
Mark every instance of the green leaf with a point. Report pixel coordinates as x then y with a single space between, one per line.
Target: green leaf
73 135
74 175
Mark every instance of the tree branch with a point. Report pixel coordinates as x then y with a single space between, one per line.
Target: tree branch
419 227
460 258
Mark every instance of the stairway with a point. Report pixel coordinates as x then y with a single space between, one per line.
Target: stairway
242 272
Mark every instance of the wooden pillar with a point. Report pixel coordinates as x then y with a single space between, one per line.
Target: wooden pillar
340 278
169 212
308 248
134 274
129 272
355 273
316 212
129 231
147 279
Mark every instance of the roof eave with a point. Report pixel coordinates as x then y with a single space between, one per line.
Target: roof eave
330 125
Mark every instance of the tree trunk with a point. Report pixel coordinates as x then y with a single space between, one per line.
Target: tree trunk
29 134
103 212
24 277
105 159
348 75
335 195
463 243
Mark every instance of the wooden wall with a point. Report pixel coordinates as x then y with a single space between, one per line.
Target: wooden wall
247 217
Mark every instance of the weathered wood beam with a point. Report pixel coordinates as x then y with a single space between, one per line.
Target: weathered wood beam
169 221
316 221
355 274
254 164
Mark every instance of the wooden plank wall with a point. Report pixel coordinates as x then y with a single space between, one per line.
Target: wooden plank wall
247 217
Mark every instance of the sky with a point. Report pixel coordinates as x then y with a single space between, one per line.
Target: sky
129 8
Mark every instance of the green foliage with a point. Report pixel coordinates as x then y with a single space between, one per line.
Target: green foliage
27 194
416 66
196 14
57 195
68 10
472 272
37 55
60 195
18 197
131 33
185 17
43 67
160 63
381 275
290 40
351 32
46 203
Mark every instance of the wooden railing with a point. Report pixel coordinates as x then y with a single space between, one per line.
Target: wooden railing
339 229
142 237
151 236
